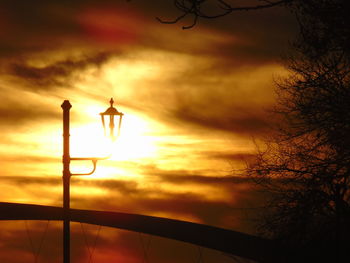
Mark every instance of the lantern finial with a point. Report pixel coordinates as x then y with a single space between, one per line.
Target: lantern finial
111 102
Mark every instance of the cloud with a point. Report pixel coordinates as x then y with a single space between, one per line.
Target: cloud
202 91
41 25
231 156
56 74
233 99
206 92
20 106
256 37
32 180
186 206
243 124
243 36
47 44
182 177
227 201
180 195
15 116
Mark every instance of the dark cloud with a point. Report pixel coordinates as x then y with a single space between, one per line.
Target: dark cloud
237 211
182 177
243 201
133 197
267 33
14 110
125 187
243 38
31 180
225 108
41 25
57 74
243 124
122 186
231 156
201 98
16 116
187 205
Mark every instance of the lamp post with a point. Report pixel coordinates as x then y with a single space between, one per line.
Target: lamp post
66 159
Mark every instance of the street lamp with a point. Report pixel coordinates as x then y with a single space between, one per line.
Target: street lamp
111 112
66 106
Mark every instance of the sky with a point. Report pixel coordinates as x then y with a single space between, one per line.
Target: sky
196 103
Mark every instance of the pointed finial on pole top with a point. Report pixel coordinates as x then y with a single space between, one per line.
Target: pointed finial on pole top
66 105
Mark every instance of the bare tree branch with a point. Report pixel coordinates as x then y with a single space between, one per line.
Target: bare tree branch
195 7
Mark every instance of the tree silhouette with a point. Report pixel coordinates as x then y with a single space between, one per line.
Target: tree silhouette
306 164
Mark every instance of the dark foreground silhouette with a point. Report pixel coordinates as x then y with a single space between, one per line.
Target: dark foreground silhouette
227 241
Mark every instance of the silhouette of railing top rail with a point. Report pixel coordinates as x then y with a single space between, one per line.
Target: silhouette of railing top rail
228 241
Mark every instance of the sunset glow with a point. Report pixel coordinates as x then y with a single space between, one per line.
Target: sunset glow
195 106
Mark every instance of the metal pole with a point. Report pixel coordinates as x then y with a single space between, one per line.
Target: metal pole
66 178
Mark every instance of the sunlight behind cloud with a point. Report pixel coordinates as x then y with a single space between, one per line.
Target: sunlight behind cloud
134 144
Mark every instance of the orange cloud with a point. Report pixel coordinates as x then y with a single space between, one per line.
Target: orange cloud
110 25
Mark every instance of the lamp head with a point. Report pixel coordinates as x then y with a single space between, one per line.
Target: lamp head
111 112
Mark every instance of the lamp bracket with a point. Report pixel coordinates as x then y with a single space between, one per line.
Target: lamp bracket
94 162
